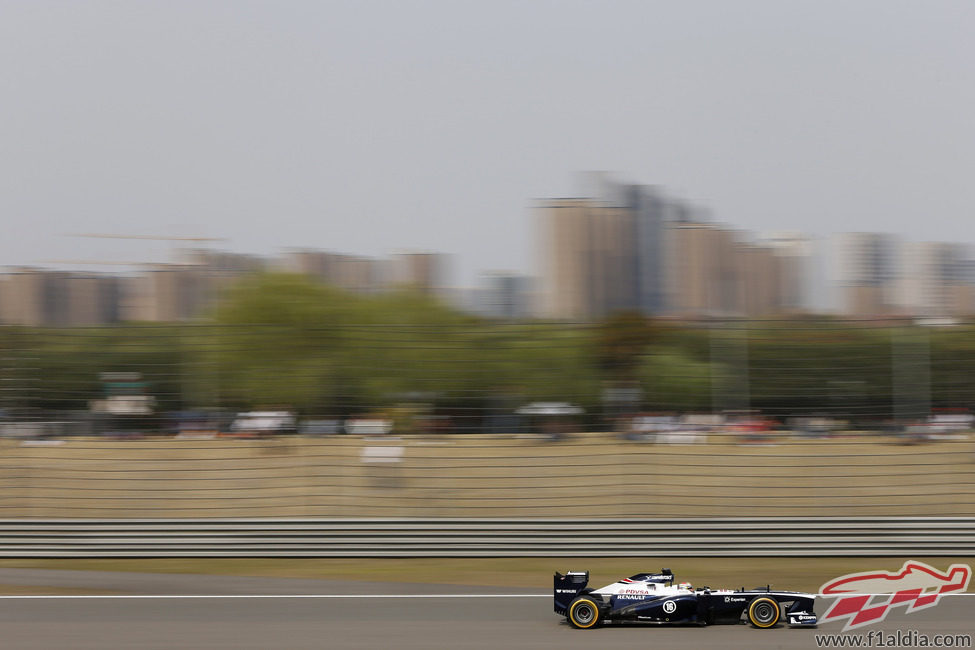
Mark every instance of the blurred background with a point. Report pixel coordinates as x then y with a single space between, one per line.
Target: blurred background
343 259
659 366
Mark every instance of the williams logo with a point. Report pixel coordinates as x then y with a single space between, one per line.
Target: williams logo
865 598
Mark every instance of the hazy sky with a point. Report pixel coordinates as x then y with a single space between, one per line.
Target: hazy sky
369 127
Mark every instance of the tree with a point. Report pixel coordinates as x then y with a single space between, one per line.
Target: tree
620 341
277 340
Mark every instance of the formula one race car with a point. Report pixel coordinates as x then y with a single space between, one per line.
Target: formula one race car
653 598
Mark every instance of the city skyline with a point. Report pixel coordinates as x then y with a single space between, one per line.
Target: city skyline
627 247
601 187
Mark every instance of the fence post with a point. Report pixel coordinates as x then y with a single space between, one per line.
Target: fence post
911 373
729 368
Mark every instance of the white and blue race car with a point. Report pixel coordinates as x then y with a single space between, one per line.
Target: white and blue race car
654 598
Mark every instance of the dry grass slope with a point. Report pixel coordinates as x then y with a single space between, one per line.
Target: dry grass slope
587 475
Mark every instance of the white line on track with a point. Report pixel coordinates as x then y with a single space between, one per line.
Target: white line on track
117 596
857 593
349 596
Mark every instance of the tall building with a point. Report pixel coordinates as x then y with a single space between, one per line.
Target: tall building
605 251
867 279
587 258
35 297
759 281
799 281
650 212
503 295
422 272
627 246
219 263
93 300
31 297
704 270
348 272
714 272
168 293
936 280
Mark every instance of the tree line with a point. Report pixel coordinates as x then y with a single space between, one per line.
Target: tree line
282 340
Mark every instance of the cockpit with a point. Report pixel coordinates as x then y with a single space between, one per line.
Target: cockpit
666 576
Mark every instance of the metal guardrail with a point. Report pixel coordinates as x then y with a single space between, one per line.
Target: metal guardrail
456 537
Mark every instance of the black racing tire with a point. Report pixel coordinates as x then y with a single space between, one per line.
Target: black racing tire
764 612
583 613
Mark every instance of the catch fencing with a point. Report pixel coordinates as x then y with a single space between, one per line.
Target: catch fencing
477 377
624 419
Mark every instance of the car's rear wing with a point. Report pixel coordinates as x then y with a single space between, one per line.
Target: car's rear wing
567 587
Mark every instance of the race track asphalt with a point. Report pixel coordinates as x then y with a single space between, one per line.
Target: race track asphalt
179 612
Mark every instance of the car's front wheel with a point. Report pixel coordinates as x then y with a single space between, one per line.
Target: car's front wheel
583 613
763 612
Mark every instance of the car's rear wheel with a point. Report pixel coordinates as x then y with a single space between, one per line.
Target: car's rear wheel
763 612
583 613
